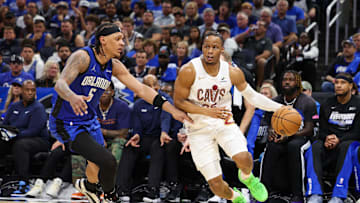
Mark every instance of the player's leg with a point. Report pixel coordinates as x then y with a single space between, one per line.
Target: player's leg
205 154
91 150
234 144
213 175
92 172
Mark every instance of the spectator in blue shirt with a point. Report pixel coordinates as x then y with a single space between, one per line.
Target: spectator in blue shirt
156 8
167 71
180 57
356 39
247 8
16 73
39 35
114 117
62 9
150 126
347 62
287 25
4 67
273 32
242 24
139 10
298 15
151 50
20 8
202 5
225 15
28 117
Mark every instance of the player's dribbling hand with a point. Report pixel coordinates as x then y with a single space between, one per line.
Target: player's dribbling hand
78 104
134 140
164 138
181 116
219 112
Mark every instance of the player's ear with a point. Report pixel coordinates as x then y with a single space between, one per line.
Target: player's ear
102 39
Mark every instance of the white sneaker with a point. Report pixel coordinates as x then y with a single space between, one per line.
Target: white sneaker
124 199
37 189
216 199
54 188
315 199
80 186
336 200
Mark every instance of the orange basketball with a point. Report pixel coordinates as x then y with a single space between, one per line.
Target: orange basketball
286 121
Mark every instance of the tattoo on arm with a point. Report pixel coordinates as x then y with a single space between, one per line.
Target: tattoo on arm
77 63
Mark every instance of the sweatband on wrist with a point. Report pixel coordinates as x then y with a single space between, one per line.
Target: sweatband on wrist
159 100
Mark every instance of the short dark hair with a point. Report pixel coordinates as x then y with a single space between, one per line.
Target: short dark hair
29 43
9 28
93 18
297 80
62 43
140 51
216 34
141 5
151 42
128 20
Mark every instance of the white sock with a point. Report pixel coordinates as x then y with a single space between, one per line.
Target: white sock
244 176
234 195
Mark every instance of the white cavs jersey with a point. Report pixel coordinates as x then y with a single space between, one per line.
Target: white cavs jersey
210 91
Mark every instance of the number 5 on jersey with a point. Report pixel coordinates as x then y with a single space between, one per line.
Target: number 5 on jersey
91 94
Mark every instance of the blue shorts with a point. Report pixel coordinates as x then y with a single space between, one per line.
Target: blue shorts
65 131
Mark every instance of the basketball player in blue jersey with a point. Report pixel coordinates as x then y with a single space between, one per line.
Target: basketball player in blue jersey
73 119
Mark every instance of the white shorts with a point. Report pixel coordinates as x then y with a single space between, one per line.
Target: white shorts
205 150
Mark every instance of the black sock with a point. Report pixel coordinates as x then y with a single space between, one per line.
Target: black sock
90 186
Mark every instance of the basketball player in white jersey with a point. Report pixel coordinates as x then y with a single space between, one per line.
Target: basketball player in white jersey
202 89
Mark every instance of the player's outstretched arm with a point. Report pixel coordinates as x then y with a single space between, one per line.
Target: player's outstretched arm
255 98
183 83
145 92
77 63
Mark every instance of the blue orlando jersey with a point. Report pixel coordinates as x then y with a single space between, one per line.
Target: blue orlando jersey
93 82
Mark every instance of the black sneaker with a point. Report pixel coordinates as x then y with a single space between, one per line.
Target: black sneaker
175 191
111 197
152 195
92 196
204 194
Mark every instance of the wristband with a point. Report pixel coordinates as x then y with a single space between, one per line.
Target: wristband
159 100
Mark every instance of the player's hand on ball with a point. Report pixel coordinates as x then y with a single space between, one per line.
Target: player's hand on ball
134 140
219 112
78 104
286 121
